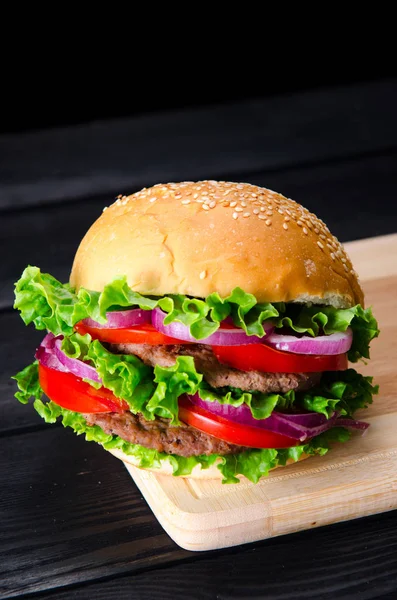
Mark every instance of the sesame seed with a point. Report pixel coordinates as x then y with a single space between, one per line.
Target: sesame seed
269 213
281 212
195 196
286 219
212 204
263 208
233 204
262 217
322 236
205 207
243 204
343 260
240 186
153 199
346 268
254 195
316 230
203 274
332 255
238 209
104 208
247 214
305 231
285 226
185 202
235 215
320 245
226 203
256 211
268 222
299 223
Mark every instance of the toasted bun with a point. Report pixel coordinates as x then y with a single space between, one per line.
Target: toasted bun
198 238
198 473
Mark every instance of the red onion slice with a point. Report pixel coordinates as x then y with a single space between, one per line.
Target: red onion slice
352 423
336 343
222 337
45 354
74 365
122 319
300 426
50 355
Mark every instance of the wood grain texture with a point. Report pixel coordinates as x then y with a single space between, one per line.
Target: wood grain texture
69 514
347 561
353 480
270 133
18 344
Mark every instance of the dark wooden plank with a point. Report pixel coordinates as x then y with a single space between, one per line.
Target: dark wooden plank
349 561
18 344
70 513
356 198
255 134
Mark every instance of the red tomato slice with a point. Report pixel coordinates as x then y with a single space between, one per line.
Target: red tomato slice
69 391
143 334
234 433
259 357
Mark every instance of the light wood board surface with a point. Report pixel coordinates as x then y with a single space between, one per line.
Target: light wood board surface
354 479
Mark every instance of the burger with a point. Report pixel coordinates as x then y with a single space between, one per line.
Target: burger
206 331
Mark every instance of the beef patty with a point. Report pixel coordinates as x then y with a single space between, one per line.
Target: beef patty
158 434
216 374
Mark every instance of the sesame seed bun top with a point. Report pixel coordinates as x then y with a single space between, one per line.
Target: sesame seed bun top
198 238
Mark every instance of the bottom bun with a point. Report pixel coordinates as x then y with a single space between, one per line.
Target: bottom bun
197 473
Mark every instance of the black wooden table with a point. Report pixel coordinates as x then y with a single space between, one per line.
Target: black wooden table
72 523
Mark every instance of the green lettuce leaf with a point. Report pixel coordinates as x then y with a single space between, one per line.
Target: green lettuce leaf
312 320
151 392
28 383
44 301
253 464
344 391
172 382
133 381
261 405
50 305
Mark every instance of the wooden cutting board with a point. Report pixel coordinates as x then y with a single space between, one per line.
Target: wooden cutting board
355 479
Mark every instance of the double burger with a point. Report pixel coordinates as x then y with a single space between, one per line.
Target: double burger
206 331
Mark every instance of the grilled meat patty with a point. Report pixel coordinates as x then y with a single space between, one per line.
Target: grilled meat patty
158 434
186 440
216 374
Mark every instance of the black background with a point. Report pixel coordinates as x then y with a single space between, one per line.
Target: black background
57 101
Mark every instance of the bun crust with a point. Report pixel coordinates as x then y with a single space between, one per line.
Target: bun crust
211 473
198 238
